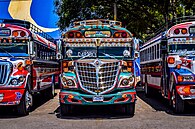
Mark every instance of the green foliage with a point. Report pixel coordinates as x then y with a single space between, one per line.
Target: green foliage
141 17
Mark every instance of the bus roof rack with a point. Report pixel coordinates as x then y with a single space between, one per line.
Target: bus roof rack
171 23
28 25
98 22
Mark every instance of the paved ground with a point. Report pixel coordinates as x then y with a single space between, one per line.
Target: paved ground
150 113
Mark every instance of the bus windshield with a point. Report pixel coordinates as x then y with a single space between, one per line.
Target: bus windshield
181 48
14 50
103 52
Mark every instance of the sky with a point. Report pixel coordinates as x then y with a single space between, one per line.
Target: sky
39 12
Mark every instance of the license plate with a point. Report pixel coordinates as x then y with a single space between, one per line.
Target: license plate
98 98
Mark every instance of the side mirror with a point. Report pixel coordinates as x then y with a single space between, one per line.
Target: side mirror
136 55
34 54
163 46
31 48
59 46
59 56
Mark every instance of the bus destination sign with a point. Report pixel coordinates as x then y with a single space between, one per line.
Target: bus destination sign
4 32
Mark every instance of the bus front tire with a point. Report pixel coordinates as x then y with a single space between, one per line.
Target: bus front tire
130 109
65 109
177 103
25 104
147 90
52 91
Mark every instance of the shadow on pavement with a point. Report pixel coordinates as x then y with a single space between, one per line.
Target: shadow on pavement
10 111
158 103
94 112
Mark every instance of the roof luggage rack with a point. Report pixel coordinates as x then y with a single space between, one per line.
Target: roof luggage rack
98 22
27 25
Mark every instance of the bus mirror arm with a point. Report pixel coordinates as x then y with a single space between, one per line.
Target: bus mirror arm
136 54
59 56
33 54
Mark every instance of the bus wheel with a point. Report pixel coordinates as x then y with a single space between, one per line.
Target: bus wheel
52 91
147 90
26 102
65 109
176 102
130 109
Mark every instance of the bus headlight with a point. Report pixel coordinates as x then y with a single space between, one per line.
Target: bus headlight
69 52
126 82
17 80
126 53
14 81
68 82
188 78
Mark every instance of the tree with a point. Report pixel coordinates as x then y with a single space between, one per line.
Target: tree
141 17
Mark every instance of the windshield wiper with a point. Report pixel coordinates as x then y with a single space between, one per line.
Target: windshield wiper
84 57
7 52
109 56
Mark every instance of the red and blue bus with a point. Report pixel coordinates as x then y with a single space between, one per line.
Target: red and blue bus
28 64
167 63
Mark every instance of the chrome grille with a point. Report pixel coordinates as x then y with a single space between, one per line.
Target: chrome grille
4 72
97 79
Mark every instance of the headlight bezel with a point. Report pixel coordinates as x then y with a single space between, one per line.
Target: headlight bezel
65 80
17 80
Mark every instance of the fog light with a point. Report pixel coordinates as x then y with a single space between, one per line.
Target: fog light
124 96
70 96
21 79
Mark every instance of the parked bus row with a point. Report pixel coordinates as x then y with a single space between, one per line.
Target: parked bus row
96 62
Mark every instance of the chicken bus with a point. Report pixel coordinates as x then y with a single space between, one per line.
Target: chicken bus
168 63
99 65
28 64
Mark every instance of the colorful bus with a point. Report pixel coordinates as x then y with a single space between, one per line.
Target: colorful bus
167 63
28 64
98 65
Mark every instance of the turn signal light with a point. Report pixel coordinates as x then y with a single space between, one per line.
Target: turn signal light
186 89
27 62
171 60
116 35
15 33
180 78
184 31
178 66
78 35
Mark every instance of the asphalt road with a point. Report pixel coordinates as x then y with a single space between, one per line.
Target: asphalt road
151 113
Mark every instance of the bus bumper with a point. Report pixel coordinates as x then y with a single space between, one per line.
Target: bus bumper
70 97
186 92
10 96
